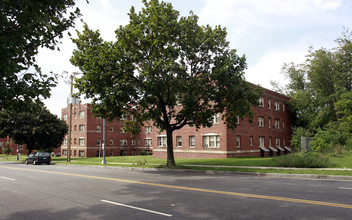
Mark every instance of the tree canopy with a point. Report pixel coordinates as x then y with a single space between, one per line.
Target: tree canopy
166 69
321 91
25 26
36 127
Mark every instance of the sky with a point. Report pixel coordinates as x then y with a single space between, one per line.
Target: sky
268 32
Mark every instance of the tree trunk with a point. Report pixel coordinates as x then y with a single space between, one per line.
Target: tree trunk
170 149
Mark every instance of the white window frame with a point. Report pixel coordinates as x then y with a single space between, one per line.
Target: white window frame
81 128
81 141
192 141
111 129
251 141
277 142
261 102
211 140
133 142
277 106
148 129
123 142
261 141
269 104
148 142
238 141
98 128
277 123
111 141
178 141
81 114
261 122
162 141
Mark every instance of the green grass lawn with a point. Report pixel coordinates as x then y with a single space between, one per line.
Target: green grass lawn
339 161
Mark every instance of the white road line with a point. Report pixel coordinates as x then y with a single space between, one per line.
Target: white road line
133 207
344 188
6 178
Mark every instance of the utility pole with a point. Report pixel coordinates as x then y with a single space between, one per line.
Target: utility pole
70 123
103 161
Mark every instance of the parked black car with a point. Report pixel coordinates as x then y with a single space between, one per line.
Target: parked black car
38 158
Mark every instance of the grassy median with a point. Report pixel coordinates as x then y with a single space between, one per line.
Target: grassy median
248 164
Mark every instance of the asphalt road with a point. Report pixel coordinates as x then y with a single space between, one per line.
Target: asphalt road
84 192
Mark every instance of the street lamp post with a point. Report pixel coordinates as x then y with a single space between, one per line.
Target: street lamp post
103 161
70 123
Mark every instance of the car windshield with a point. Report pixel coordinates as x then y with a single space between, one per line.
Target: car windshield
44 154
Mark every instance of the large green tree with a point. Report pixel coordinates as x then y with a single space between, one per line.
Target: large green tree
320 89
25 26
166 69
36 127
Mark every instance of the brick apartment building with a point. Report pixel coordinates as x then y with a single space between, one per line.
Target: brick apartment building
268 135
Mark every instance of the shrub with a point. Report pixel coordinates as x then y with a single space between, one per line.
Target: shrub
327 141
303 160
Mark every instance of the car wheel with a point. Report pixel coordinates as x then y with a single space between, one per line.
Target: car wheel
26 162
48 163
35 162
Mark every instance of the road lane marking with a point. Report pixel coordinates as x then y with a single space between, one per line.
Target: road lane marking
344 188
134 207
6 178
275 198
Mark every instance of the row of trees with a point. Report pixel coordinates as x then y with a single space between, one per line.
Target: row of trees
321 92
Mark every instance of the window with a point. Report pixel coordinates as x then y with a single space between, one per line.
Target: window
269 122
211 141
178 141
261 141
216 118
81 127
139 141
98 142
81 114
261 122
122 130
270 142
277 123
284 142
261 102
269 104
65 116
238 120
111 153
21 147
75 141
65 141
75 127
124 118
123 142
148 142
98 128
192 141
251 141
111 141
283 107
148 129
81 141
81 153
277 106
64 152
75 115
283 124
111 129
162 141
133 142
277 141
238 141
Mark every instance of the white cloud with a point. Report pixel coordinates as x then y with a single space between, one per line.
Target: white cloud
269 66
